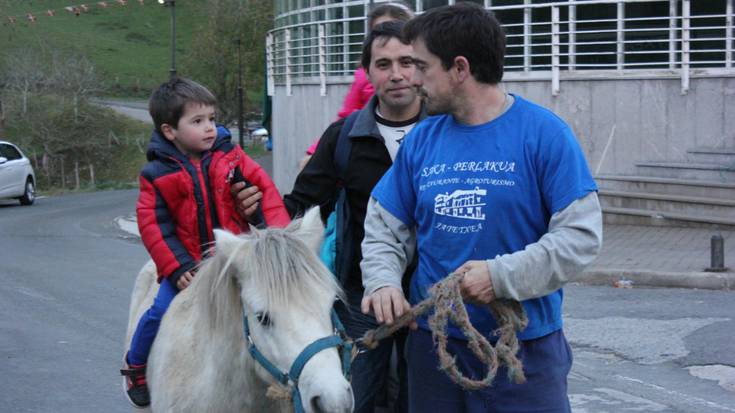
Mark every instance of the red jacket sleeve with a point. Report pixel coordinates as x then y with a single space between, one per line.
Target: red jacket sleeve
360 93
158 233
274 211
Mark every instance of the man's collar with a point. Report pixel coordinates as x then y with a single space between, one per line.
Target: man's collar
366 125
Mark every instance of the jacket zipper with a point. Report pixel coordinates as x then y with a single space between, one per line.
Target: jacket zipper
203 208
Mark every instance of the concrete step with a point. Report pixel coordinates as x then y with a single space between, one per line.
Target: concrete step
700 206
723 156
632 216
670 186
686 170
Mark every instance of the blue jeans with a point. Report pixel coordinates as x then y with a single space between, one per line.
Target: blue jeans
546 364
145 333
370 369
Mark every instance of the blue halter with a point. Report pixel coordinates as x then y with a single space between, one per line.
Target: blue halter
338 339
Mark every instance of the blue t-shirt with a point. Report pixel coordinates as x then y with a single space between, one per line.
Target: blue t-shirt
476 192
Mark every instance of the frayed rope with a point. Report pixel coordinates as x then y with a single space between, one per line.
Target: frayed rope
446 298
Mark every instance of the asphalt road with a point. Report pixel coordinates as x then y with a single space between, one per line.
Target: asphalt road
135 110
66 272
650 350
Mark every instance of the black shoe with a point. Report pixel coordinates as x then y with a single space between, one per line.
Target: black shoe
135 386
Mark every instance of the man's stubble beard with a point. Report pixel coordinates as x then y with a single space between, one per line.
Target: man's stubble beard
434 107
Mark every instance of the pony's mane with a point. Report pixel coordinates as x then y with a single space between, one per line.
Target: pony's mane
277 263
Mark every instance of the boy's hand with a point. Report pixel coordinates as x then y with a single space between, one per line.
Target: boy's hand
185 280
246 199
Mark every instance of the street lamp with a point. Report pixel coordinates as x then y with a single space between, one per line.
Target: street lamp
240 126
172 5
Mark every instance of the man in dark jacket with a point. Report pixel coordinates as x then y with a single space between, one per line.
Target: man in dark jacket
375 136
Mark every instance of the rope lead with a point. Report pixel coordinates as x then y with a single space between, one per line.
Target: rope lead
446 298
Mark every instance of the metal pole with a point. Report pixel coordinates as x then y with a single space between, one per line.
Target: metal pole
270 58
287 59
620 49
717 262
240 125
685 19
172 4
728 34
527 37
572 51
672 33
555 87
322 46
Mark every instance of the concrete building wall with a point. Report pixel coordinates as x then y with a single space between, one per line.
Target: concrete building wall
618 122
298 120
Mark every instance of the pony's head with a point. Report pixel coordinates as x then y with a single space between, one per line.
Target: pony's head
287 295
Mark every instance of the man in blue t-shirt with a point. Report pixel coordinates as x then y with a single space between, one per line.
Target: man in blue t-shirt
495 187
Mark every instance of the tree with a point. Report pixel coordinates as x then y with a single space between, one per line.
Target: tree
73 75
213 59
47 98
24 75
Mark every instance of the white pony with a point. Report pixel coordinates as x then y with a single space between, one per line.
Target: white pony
200 360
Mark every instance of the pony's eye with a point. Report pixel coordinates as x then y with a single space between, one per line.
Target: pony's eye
263 319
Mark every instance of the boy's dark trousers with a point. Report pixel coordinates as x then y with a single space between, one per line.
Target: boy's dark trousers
150 321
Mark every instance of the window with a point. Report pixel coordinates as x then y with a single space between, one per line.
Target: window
9 152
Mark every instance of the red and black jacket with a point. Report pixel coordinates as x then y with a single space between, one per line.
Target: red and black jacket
181 201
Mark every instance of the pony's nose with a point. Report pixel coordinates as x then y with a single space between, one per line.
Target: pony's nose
316 405
343 403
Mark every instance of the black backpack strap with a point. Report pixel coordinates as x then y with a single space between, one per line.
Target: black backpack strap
343 231
344 146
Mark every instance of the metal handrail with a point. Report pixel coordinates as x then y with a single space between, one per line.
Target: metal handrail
542 48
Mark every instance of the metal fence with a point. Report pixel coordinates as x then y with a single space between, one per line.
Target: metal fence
552 41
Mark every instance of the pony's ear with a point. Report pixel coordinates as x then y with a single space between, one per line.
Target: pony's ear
311 229
226 242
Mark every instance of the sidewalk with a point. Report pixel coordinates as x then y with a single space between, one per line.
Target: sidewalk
661 257
634 255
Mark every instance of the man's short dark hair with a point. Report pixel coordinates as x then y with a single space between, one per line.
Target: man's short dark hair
386 31
394 10
464 29
167 103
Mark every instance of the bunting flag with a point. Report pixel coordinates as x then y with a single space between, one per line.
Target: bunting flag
77 10
73 9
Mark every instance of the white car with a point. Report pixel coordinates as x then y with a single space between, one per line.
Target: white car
17 179
260 134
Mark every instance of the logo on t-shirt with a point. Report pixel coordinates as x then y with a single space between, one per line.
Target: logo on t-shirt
466 204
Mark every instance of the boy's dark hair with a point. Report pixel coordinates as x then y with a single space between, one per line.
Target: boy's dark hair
396 10
386 31
167 103
464 29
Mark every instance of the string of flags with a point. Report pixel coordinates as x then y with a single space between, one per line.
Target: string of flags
77 10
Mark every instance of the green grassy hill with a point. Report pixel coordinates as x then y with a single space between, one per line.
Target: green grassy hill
130 45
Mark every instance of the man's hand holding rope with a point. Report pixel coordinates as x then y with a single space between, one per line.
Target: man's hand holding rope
470 282
476 285
387 304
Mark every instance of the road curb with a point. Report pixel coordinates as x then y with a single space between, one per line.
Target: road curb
604 276
128 224
669 279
